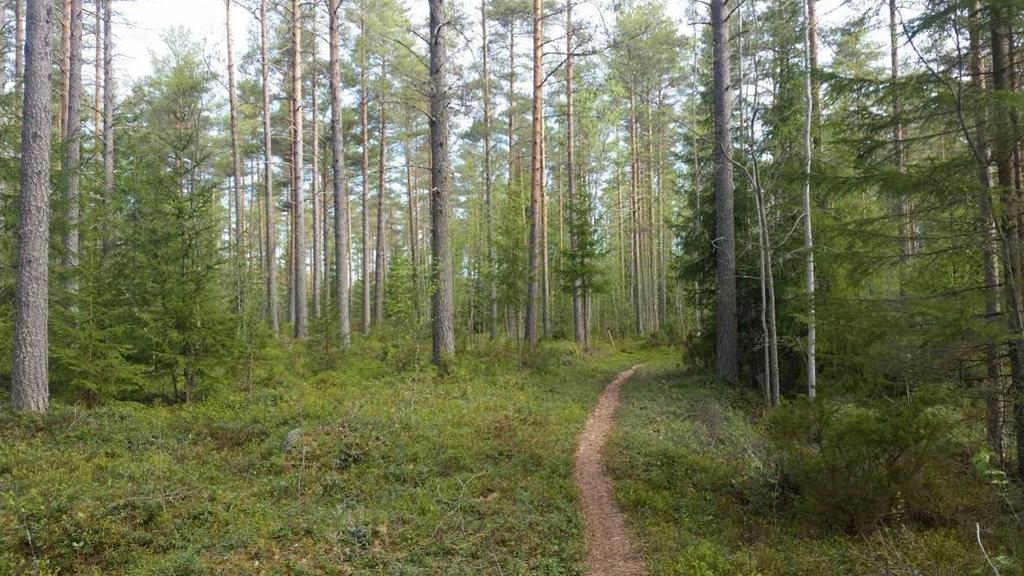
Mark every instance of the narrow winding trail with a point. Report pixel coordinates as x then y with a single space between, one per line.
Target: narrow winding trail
611 550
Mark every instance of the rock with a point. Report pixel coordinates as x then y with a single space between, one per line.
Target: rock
292 440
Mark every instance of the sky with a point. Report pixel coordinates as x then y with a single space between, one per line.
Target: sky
140 25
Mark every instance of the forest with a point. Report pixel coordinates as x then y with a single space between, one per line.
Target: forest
543 287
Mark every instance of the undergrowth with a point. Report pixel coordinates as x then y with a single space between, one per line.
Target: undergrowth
378 465
715 486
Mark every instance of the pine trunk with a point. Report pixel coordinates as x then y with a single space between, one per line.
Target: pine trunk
270 231
579 327
342 251
98 80
1003 152
315 199
299 204
19 48
73 143
108 112
726 349
492 283
29 369
380 261
536 179
442 280
65 69
987 236
364 121
236 164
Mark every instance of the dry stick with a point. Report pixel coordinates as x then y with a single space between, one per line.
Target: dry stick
977 532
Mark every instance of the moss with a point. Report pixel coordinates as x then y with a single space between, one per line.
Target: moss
398 470
698 472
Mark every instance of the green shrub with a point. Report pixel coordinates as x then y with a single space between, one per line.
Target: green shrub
853 467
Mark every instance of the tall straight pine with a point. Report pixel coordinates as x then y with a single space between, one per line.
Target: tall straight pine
30 370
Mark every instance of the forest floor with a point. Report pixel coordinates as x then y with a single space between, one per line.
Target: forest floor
378 466
381 465
696 475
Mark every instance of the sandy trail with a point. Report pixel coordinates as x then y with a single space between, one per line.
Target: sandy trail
611 550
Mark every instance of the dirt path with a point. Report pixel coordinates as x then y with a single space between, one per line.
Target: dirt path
610 547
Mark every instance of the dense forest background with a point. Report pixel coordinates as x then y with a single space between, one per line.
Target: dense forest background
821 203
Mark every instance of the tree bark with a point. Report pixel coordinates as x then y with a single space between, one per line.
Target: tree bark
413 214
1003 152
270 232
812 56
442 280
634 215
579 327
98 81
301 328
108 112
987 236
315 165
812 372
73 143
380 263
29 369
236 164
365 166
65 69
3 52
906 220
536 178
19 48
492 282
545 268
727 353
342 251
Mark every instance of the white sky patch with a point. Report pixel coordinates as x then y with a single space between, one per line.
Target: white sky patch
141 24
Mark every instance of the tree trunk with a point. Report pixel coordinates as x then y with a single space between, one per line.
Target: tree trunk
812 57
270 233
291 203
73 143
365 131
413 210
492 283
899 151
98 81
325 229
511 101
545 268
315 165
342 251
442 280
108 112
512 137
727 353
29 368
634 198
65 69
987 236
578 321
1003 152
536 177
236 164
812 372
380 262
3 53
19 48
300 217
